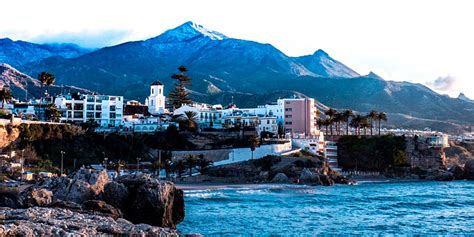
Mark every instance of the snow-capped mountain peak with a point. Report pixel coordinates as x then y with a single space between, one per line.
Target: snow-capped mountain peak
188 31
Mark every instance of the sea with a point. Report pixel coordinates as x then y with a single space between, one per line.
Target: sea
368 208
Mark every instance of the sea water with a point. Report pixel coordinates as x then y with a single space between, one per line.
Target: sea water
426 208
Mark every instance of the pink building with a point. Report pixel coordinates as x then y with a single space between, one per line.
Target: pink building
299 116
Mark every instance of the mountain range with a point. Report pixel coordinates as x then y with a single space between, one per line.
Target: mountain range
250 72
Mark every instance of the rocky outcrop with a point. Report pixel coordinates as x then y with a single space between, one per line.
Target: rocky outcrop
115 194
138 198
280 178
152 201
309 177
469 170
326 180
439 175
40 221
37 197
82 186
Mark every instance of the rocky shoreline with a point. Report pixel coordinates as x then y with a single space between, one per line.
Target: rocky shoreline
61 205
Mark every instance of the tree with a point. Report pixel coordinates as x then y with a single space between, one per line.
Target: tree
281 129
338 118
330 113
179 167
179 96
372 116
52 113
203 164
356 123
381 116
347 114
5 96
190 163
254 142
364 123
188 121
45 78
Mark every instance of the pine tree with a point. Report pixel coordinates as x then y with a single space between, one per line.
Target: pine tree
180 96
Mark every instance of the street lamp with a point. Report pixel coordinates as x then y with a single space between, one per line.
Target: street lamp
138 163
62 159
105 163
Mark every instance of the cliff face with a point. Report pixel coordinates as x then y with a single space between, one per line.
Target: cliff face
8 135
424 157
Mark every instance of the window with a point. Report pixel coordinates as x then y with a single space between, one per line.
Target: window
98 107
159 91
112 115
90 107
288 116
78 115
288 123
268 121
288 109
90 115
97 114
112 108
152 91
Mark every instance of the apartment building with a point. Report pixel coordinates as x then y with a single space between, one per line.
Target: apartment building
299 116
105 110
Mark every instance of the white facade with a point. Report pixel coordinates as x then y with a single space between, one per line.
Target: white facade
267 124
105 110
156 100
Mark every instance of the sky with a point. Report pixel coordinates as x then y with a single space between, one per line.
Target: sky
423 41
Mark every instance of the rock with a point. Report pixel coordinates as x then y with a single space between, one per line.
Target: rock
309 177
280 178
115 194
36 197
458 172
439 175
326 180
152 201
469 170
96 180
100 207
66 205
40 221
263 175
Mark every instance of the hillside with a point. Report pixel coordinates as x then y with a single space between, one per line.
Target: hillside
23 86
19 52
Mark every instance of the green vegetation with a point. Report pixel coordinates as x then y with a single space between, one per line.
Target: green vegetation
347 117
179 96
371 153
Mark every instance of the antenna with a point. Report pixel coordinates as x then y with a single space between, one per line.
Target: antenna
26 90
232 100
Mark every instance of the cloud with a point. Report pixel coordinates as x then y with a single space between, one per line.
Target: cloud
446 83
88 39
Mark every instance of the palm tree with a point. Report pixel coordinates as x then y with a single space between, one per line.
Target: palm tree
364 123
179 167
320 123
5 96
190 163
338 118
45 78
254 142
203 164
381 116
330 113
356 123
188 120
347 114
372 116
52 113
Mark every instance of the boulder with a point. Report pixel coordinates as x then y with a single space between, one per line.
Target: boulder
263 175
326 180
280 178
469 170
309 177
115 194
152 201
36 197
101 208
458 172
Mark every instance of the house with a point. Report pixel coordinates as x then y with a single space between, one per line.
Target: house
27 176
105 110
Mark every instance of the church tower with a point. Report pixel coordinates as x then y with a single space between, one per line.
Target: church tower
156 100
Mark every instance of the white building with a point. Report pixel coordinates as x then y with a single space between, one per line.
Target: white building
105 110
267 124
314 144
156 100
